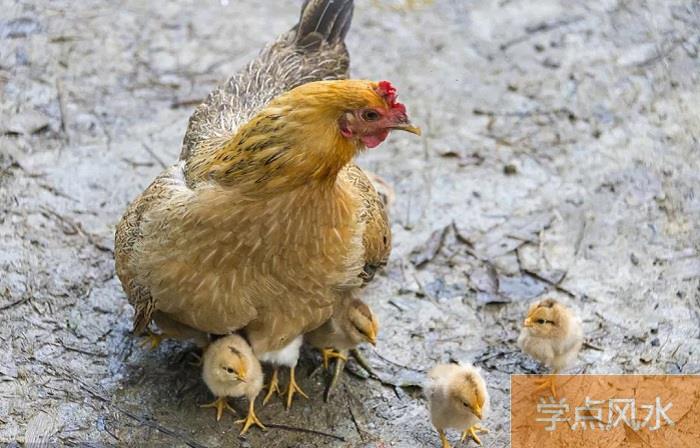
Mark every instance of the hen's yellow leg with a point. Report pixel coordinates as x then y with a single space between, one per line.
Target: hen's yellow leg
329 353
220 404
293 388
251 419
471 433
272 387
443 439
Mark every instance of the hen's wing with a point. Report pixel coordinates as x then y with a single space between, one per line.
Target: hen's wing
129 233
376 238
311 51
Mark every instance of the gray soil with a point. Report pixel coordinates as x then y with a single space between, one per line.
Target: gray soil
560 158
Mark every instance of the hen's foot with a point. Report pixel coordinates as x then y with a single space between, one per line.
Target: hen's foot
272 387
293 388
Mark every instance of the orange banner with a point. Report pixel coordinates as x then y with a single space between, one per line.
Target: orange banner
606 411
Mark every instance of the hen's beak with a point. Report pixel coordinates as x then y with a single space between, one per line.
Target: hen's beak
408 127
528 323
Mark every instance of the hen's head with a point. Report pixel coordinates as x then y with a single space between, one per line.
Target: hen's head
373 113
308 134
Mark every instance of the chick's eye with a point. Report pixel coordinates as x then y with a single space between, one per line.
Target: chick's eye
370 115
229 370
466 405
541 321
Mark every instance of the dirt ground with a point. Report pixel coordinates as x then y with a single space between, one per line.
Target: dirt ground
560 157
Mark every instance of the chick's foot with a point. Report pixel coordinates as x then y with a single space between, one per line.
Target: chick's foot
329 353
472 433
251 419
220 404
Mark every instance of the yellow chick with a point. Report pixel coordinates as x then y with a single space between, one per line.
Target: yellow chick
230 369
352 323
552 335
458 399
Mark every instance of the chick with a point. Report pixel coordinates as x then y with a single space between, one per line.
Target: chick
285 357
230 369
352 323
552 335
458 399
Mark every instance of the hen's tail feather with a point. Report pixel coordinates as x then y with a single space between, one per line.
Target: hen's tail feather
323 20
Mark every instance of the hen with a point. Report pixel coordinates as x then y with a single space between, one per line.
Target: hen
265 222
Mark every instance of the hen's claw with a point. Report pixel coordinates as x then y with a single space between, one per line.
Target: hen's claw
220 404
272 387
293 388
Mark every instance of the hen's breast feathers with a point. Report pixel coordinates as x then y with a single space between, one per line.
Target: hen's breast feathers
372 214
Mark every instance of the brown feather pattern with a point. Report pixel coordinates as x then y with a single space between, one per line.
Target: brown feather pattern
263 224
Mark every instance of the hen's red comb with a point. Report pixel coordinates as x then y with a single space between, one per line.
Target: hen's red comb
388 92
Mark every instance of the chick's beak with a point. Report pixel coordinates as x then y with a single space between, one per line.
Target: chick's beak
241 373
372 336
527 323
477 411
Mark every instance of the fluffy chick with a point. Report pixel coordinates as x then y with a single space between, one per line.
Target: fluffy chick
458 399
230 369
552 335
352 323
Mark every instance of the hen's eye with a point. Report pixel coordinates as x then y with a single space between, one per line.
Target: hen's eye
370 115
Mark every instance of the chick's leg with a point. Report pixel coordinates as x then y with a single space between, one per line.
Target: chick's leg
329 353
151 340
337 372
251 419
361 360
443 439
472 431
220 404
548 383
293 388
273 386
